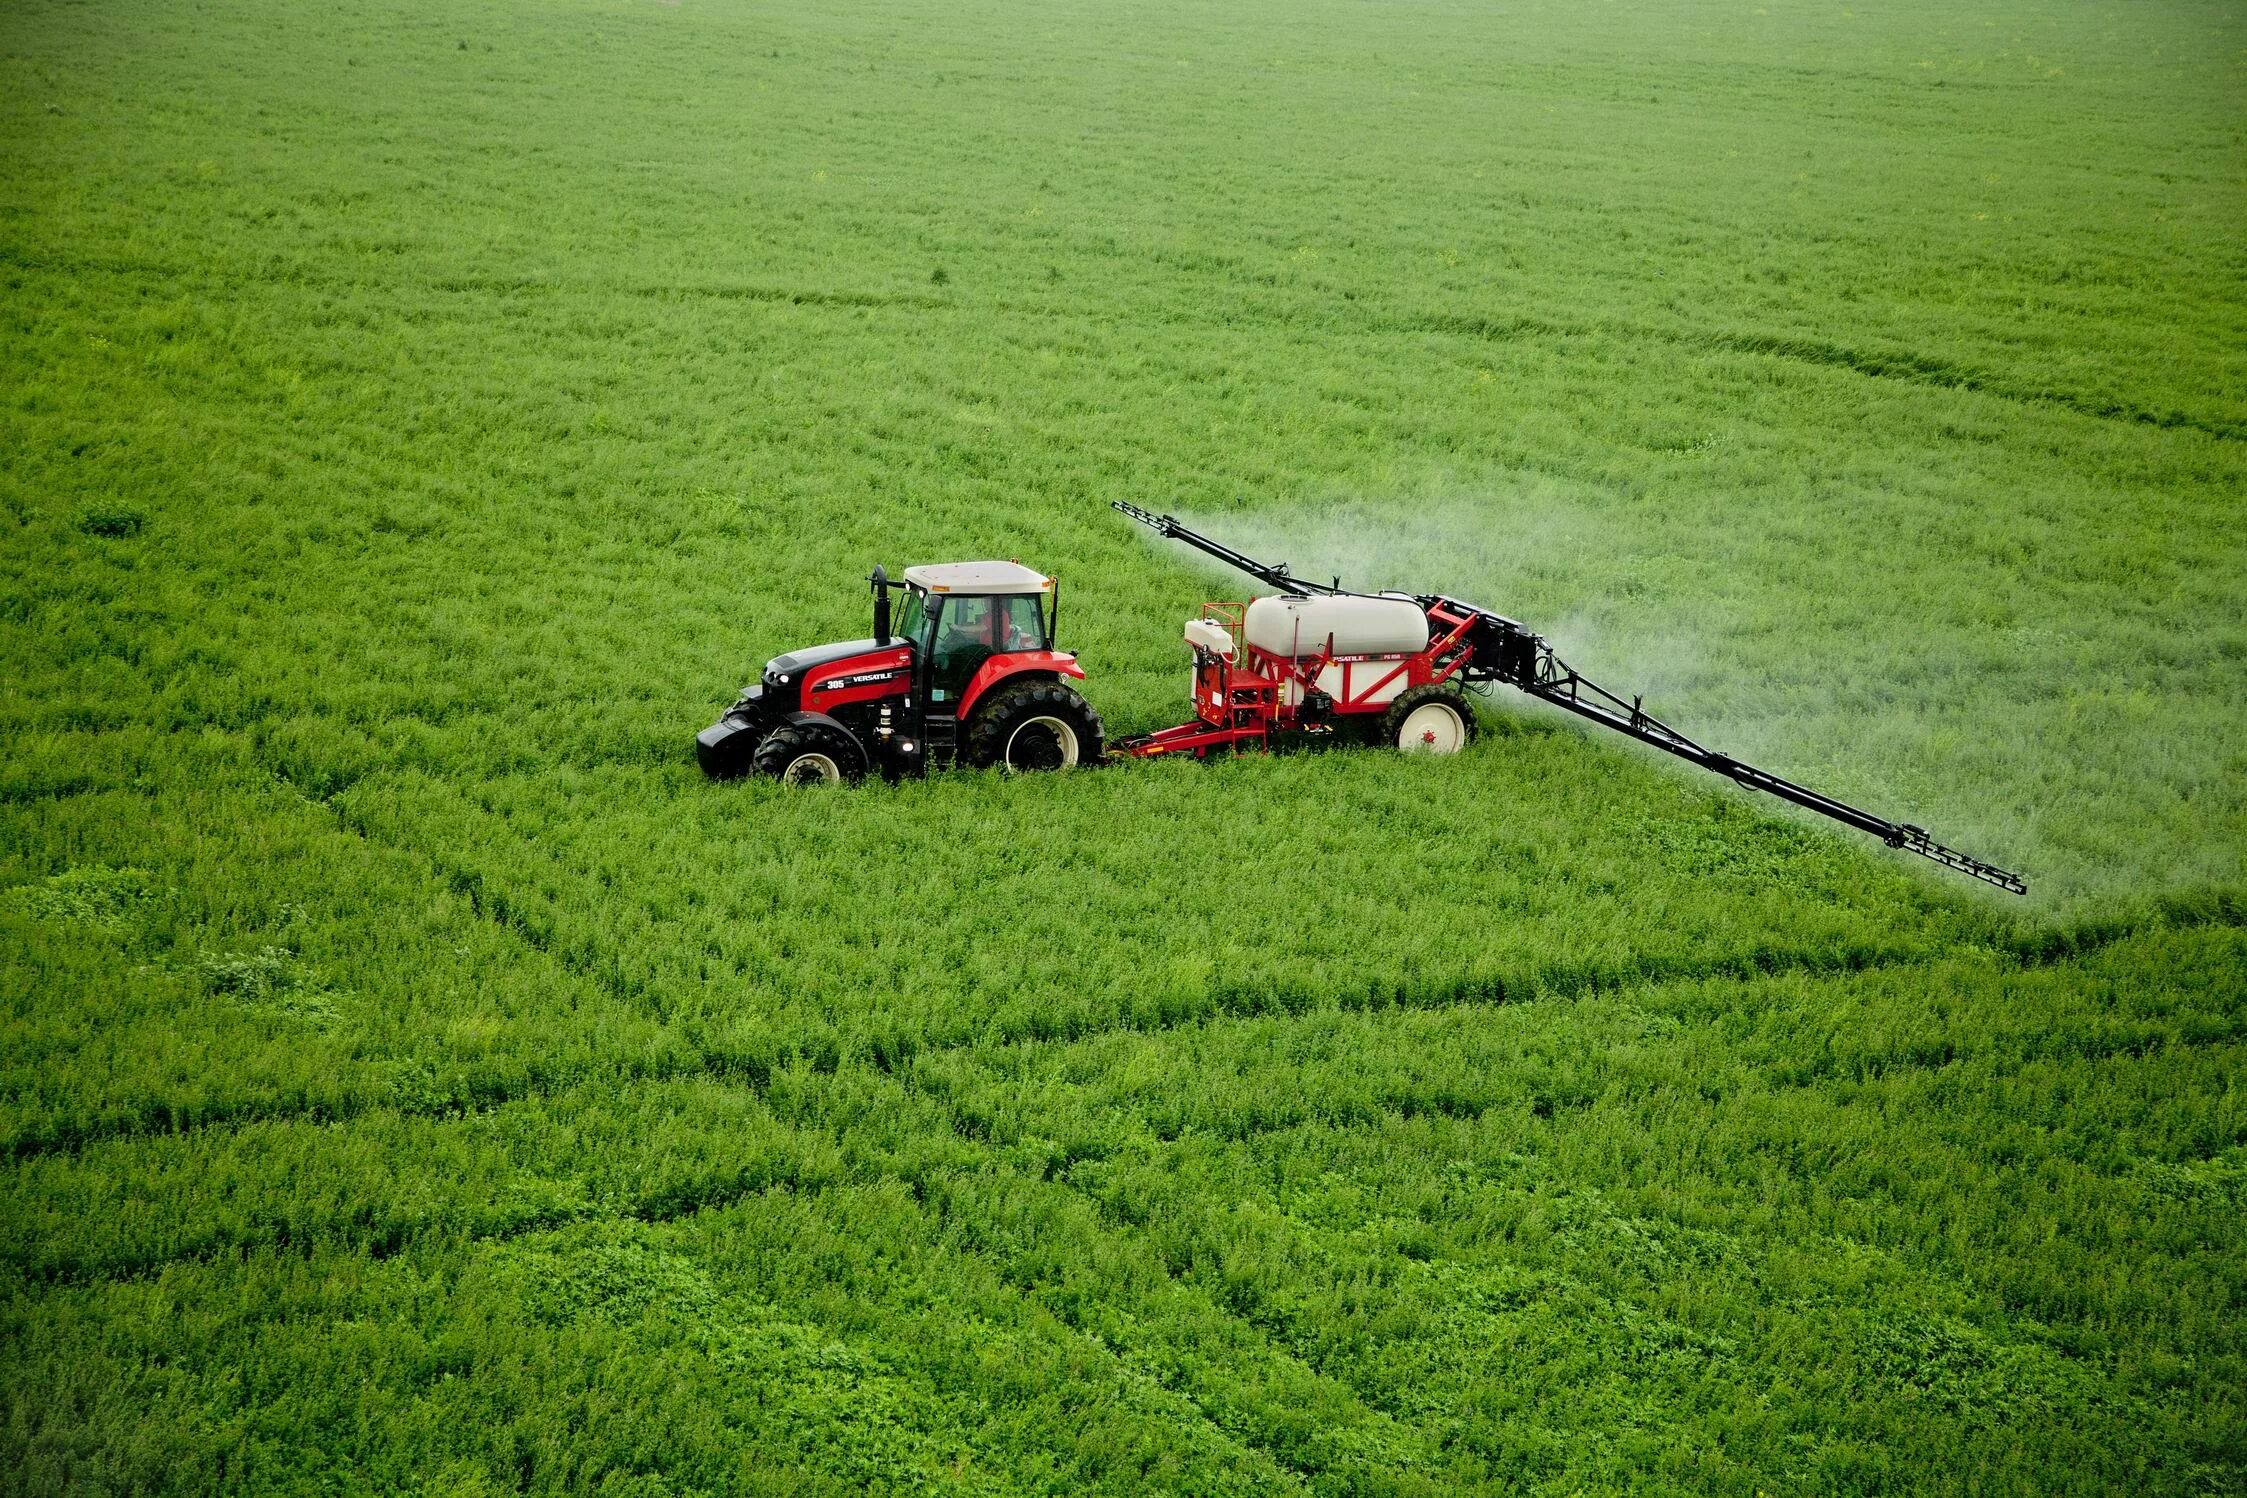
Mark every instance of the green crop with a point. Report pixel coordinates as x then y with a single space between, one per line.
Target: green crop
419 423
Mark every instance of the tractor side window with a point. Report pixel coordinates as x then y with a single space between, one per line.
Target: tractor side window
913 621
1018 623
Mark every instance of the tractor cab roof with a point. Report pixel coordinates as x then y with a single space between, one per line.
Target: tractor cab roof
978 577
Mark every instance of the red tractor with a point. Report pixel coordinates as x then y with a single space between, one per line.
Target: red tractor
969 676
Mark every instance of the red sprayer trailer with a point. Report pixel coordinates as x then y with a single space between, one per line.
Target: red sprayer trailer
1315 660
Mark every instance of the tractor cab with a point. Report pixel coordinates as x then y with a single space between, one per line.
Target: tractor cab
965 672
959 616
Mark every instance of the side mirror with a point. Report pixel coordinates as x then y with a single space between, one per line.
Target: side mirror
880 580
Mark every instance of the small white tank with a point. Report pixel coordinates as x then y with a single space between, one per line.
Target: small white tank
1360 626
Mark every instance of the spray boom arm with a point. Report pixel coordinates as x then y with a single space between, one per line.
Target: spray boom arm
1503 650
1273 573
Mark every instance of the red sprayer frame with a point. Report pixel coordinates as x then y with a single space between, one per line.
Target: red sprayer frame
1242 699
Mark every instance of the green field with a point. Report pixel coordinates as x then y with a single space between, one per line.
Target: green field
419 420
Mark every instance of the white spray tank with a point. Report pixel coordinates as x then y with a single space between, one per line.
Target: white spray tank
1295 626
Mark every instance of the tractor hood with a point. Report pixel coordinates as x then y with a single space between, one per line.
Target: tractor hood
796 662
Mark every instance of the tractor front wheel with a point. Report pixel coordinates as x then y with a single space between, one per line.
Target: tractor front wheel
1034 725
1430 720
809 754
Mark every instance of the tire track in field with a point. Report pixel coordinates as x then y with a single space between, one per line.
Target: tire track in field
1768 1080
1270 1328
1896 365
159 1118
2028 949
680 1202
1338 314
673 1203
1055 1176
156 1118
152 1119
1260 1335
1055 1183
299 274
1276 1327
719 291
677 1200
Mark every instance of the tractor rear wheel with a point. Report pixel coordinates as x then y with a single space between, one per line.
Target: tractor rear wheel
1034 725
809 754
1432 719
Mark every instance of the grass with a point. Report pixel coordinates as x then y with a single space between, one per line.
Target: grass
418 423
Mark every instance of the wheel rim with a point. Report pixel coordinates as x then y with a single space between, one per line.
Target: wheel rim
1041 743
811 769
1432 728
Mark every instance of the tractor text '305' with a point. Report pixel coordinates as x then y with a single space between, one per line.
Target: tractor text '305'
968 674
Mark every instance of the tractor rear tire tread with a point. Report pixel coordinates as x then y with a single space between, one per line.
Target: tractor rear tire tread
998 715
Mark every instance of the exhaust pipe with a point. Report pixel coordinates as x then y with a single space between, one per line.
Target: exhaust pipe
880 580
